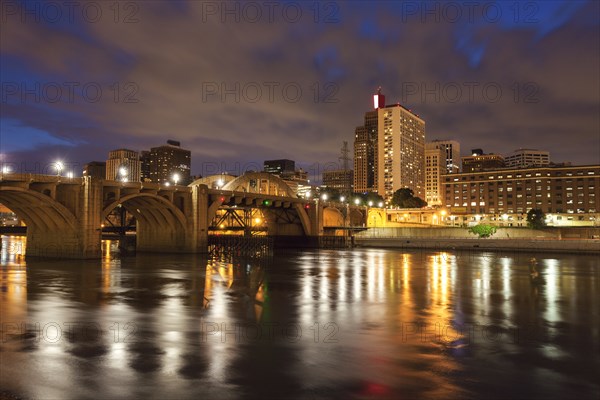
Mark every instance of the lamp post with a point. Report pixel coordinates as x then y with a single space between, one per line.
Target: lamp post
123 173
176 178
59 167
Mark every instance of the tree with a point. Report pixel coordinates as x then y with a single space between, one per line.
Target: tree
483 230
536 219
405 198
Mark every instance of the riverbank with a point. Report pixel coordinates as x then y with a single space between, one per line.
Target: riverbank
582 246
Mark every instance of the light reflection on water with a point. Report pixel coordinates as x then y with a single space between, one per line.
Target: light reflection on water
317 324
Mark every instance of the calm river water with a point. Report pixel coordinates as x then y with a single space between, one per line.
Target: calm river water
344 324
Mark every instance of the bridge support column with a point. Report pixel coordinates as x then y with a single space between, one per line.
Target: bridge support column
80 241
90 211
200 201
315 214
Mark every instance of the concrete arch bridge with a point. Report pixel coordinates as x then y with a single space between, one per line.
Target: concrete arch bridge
64 216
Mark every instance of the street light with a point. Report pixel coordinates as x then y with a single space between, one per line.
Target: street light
70 174
6 169
342 199
59 167
220 183
123 173
380 204
324 196
370 204
176 178
307 194
357 201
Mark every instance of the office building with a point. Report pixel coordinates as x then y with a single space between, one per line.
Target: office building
280 167
168 163
365 154
123 165
567 189
435 167
146 162
452 148
524 158
95 169
342 180
479 161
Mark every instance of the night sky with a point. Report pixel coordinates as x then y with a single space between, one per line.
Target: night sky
76 84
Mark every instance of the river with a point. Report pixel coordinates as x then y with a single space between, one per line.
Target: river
347 324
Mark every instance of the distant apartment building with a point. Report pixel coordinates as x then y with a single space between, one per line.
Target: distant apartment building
342 180
479 161
567 189
435 167
523 158
95 169
168 163
123 165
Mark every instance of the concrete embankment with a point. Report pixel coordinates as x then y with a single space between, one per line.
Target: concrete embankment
513 239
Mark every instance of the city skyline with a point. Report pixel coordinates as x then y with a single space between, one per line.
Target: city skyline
205 100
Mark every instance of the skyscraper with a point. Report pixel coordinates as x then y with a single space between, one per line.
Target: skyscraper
146 162
389 150
401 151
435 167
168 163
123 165
365 154
452 149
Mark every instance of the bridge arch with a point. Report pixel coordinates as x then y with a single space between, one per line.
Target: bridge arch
38 210
162 226
212 180
261 183
52 229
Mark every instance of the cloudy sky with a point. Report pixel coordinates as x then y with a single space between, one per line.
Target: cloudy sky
239 82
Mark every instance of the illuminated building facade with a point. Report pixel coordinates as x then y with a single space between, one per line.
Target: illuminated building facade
563 190
523 158
479 161
435 167
339 179
168 163
365 154
400 151
123 165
